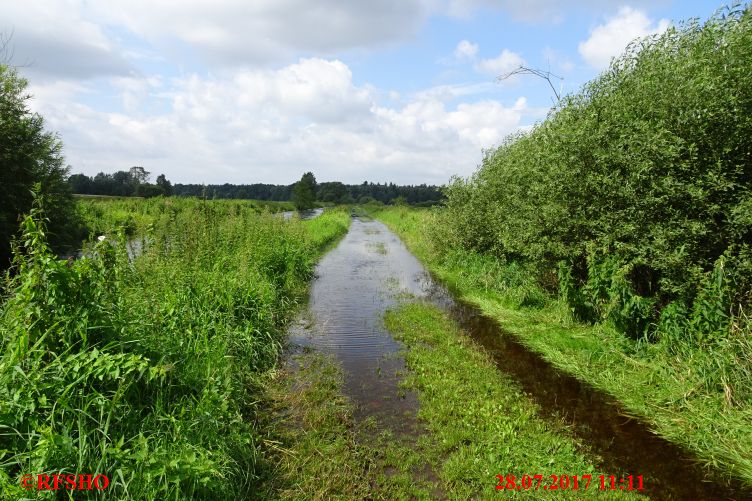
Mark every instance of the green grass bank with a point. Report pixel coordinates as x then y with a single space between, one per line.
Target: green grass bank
677 395
478 423
151 370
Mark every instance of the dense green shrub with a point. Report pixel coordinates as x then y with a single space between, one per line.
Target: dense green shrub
30 160
640 184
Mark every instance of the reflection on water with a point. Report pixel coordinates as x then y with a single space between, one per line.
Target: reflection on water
134 247
303 214
355 283
625 445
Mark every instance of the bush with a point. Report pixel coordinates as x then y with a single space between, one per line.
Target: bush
148 370
640 184
32 161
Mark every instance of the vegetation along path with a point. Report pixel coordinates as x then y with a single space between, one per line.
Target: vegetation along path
454 405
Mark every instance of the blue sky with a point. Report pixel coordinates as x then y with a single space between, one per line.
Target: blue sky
246 91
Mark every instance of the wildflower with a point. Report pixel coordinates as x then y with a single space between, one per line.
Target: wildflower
101 238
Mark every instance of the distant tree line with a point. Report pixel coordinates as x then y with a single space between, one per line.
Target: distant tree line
335 192
259 191
131 183
134 182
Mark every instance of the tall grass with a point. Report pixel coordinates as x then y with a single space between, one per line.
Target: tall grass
135 215
147 370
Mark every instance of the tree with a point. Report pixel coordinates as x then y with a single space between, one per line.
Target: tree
304 192
80 183
164 185
334 192
30 156
139 175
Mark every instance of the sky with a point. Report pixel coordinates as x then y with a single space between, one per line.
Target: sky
252 91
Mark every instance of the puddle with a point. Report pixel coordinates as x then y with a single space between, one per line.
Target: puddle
367 273
303 214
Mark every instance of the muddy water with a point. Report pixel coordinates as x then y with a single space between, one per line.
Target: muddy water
371 270
368 272
625 445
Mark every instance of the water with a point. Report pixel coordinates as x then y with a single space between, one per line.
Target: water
371 270
625 445
134 247
303 214
368 272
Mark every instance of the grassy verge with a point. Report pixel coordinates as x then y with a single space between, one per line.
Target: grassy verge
322 452
669 392
135 215
480 421
150 370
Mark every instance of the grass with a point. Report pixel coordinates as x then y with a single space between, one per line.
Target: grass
323 453
479 420
151 370
317 454
669 391
135 215
478 423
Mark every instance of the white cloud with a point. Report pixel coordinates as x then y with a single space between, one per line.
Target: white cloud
259 125
236 32
503 63
611 38
52 39
535 10
465 50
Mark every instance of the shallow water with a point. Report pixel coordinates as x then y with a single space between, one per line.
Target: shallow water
303 214
625 445
371 270
368 272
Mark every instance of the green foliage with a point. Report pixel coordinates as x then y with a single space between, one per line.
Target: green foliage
134 182
334 192
304 192
31 160
148 369
693 385
134 216
639 183
481 420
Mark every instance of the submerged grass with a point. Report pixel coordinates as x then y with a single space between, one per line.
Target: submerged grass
688 398
150 370
478 424
322 452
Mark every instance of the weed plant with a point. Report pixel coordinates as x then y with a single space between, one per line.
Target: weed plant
695 395
147 370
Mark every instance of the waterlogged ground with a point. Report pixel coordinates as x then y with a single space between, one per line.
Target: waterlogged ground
369 272
455 403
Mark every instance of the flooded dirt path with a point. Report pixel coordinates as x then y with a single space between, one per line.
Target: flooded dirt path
367 273
371 270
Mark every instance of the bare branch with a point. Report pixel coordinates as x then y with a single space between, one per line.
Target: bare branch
6 50
523 70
